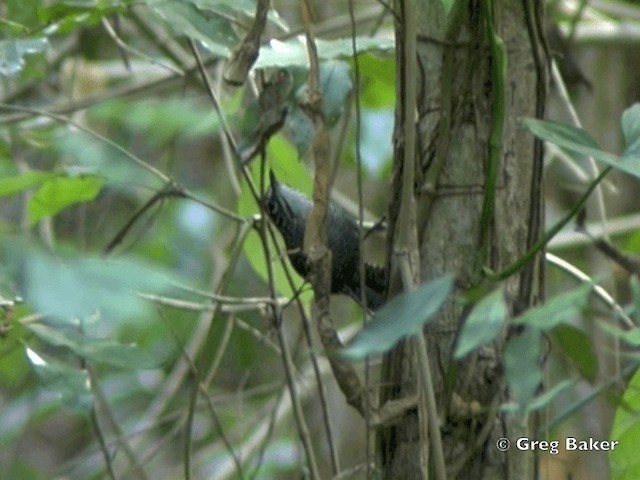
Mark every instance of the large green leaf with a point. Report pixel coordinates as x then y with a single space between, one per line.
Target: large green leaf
577 346
559 309
60 192
541 401
294 51
624 459
578 141
378 85
67 16
215 32
447 5
13 185
335 86
232 8
404 315
631 131
95 349
484 323
69 288
522 366
630 337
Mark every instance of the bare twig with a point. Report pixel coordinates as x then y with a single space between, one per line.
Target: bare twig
134 51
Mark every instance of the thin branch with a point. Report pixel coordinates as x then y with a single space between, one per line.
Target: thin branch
407 256
134 51
123 443
97 428
361 235
599 291
592 166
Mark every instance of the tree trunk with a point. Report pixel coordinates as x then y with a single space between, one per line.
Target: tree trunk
455 94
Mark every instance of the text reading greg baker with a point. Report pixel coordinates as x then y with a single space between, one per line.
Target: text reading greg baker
570 443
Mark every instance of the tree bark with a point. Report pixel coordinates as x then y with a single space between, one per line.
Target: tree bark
454 118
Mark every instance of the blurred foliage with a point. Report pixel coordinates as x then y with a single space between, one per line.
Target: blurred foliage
121 223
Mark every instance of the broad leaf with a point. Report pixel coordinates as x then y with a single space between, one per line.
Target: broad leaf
630 337
60 192
484 323
559 309
540 401
378 86
624 460
577 346
94 349
403 315
544 400
631 131
578 141
215 32
335 85
294 51
13 185
69 288
522 366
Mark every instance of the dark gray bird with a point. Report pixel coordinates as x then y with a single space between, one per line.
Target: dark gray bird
289 209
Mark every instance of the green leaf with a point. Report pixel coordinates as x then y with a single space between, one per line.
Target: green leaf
67 16
624 460
634 284
630 337
13 51
541 401
559 309
231 8
577 346
522 366
70 385
544 400
378 85
298 127
60 192
447 5
70 288
631 131
577 140
404 315
294 52
484 323
94 349
13 185
335 85
214 32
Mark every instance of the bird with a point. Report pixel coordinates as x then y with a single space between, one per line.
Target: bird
289 210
